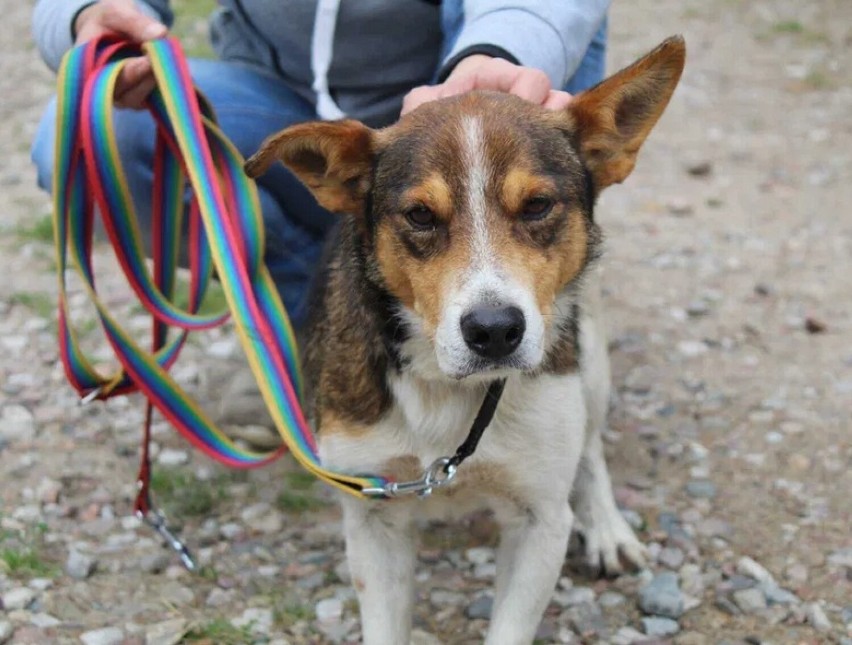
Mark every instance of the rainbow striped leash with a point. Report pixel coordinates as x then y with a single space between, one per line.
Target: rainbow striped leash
225 231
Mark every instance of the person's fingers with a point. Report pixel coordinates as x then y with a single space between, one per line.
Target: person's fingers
532 85
124 18
418 96
134 83
558 100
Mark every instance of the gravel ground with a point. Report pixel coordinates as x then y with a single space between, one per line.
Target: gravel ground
729 252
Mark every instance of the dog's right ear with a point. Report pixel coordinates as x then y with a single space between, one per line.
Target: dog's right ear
333 159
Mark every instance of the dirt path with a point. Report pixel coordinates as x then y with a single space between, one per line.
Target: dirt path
728 263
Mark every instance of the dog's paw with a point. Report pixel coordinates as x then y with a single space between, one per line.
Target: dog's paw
608 546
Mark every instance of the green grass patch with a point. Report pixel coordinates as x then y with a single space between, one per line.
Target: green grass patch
182 494
37 302
21 553
296 496
219 631
191 26
788 27
288 613
41 230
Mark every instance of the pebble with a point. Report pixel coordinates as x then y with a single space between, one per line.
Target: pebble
575 596
419 637
840 558
611 599
701 489
220 597
80 565
817 618
751 568
627 636
44 621
670 557
480 608
445 597
105 636
662 596
692 348
168 632
586 619
154 562
750 601
656 626
17 423
479 555
329 610
18 598
263 518
679 206
257 619
6 631
171 457
775 595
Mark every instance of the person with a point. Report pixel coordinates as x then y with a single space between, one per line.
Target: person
279 63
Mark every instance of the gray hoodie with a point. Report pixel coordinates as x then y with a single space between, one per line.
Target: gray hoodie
358 58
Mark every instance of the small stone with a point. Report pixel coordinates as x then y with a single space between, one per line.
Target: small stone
797 573
257 619
220 597
840 558
679 206
445 597
170 457
817 618
154 562
655 626
698 308
750 601
479 555
692 348
698 167
814 325
480 608
263 518
231 531
633 519
775 595
575 596
586 619
329 610
18 598
28 514
176 594
627 636
701 489
17 423
662 596
80 565
748 567
168 632
105 636
419 637
48 490
6 631
670 557
44 621
611 599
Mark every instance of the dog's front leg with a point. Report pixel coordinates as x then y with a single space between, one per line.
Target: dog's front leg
529 560
380 547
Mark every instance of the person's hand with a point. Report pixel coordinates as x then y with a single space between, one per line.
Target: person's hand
121 17
480 72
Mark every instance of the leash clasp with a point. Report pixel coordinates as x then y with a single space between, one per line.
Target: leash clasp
157 521
440 473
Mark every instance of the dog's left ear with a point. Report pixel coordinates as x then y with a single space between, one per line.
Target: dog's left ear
332 158
612 119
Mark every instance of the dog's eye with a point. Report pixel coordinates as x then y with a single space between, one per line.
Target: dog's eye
420 217
536 208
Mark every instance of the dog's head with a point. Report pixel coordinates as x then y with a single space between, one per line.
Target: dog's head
476 210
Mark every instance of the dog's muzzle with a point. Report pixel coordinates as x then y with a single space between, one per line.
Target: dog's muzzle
493 332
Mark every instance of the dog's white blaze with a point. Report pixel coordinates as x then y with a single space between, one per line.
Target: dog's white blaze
477 181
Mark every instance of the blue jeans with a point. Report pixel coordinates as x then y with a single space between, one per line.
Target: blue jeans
250 105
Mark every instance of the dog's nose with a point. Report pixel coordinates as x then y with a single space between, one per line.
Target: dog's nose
493 332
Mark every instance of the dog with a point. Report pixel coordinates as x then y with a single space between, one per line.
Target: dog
467 253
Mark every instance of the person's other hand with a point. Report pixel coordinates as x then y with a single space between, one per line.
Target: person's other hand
123 18
480 72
